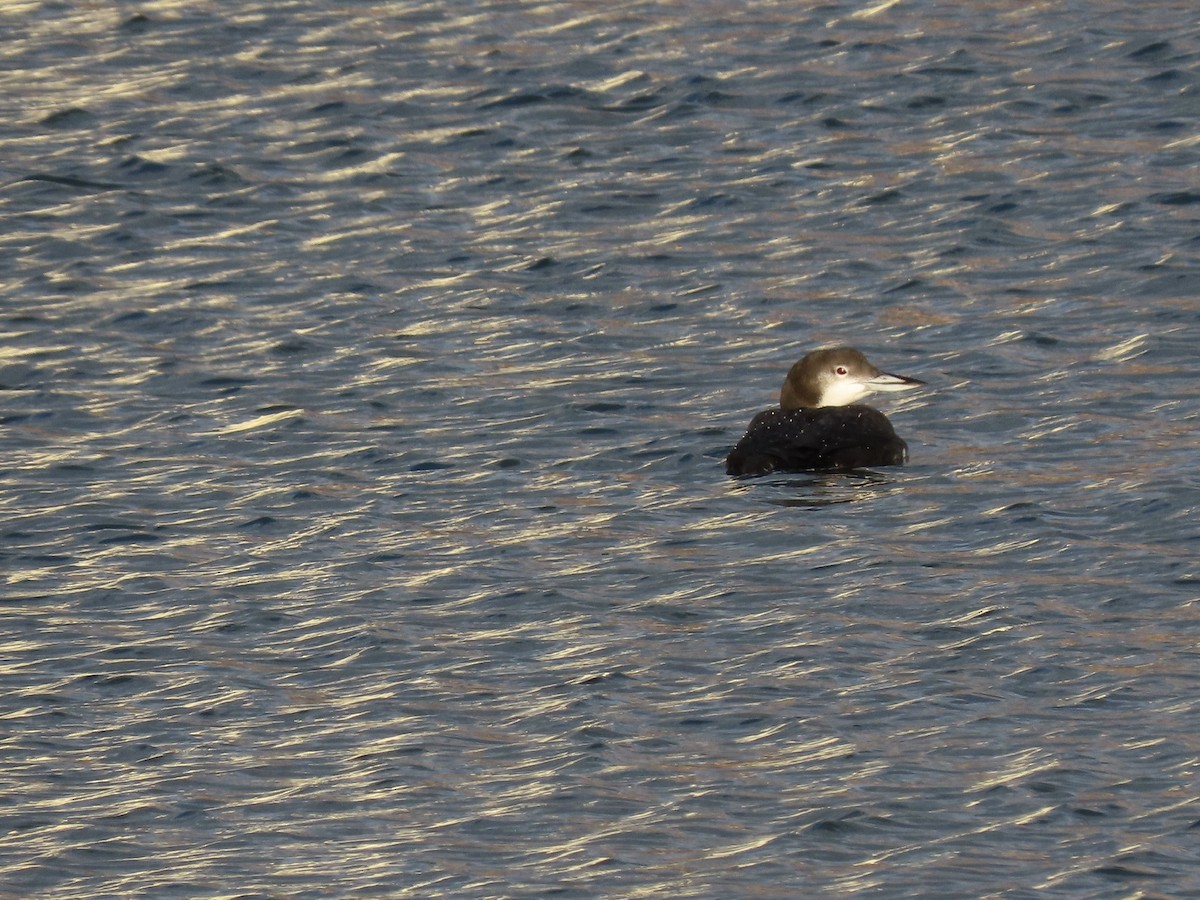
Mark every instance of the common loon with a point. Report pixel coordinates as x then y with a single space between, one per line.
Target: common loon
818 425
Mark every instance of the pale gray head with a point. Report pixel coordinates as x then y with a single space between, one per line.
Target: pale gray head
837 376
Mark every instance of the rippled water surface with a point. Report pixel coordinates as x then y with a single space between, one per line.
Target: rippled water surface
367 372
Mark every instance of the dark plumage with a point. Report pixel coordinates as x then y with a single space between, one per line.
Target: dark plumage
829 437
818 426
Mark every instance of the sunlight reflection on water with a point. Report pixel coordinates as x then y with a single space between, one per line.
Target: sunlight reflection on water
365 381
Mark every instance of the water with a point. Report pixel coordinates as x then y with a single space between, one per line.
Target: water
368 373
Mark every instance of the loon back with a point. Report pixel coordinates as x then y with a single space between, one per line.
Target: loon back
828 438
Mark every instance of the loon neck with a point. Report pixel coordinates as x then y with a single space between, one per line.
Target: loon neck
802 387
790 398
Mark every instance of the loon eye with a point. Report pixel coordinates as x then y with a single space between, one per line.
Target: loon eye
841 370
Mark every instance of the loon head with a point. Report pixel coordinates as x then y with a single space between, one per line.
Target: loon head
836 376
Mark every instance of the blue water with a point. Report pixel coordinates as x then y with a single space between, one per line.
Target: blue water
366 375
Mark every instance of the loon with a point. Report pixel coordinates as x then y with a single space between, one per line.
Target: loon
818 426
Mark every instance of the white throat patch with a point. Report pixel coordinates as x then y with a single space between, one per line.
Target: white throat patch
843 391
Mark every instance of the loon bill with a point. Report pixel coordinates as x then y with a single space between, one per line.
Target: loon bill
818 425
